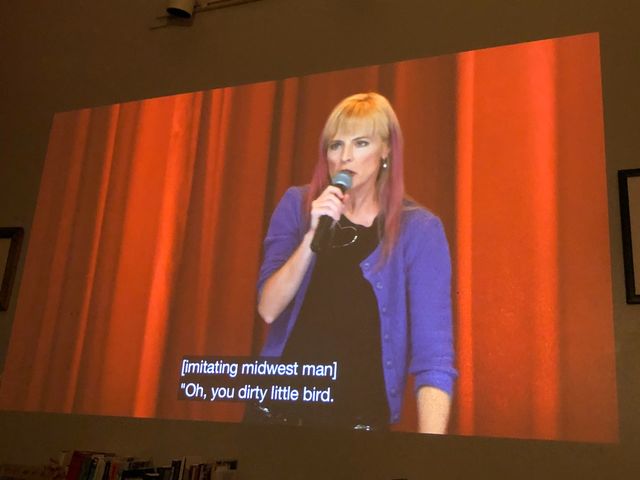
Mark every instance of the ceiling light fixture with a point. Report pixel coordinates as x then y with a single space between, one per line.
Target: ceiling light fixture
187 8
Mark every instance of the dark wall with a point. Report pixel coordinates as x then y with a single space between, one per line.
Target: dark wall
58 56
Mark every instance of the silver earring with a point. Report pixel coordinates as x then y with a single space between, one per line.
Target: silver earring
384 163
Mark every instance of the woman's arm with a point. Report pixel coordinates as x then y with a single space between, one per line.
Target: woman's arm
430 314
281 286
434 406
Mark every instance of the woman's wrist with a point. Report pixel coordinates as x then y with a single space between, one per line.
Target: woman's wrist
307 239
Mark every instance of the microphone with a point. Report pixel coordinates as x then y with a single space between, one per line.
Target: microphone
343 181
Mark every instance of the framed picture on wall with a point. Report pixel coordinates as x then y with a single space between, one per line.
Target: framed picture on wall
629 187
10 244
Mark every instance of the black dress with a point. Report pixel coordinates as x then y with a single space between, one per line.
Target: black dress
339 321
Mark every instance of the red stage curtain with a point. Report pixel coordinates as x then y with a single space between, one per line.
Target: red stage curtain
534 310
147 237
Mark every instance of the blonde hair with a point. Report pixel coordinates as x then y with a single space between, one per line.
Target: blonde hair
373 113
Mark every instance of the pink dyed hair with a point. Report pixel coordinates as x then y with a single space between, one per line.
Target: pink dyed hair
370 111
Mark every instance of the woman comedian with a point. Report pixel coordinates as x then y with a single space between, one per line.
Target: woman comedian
376 297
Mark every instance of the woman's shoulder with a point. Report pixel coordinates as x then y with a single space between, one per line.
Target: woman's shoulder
415 215
293 198
296 193
291 205
422 231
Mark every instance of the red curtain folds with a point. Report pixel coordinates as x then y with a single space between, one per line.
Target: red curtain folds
147 237
534 310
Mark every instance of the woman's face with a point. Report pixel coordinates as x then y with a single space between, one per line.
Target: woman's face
360 153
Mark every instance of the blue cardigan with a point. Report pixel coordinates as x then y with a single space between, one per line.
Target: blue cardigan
412 289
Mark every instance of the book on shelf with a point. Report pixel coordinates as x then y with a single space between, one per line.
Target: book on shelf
83 463
94 465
